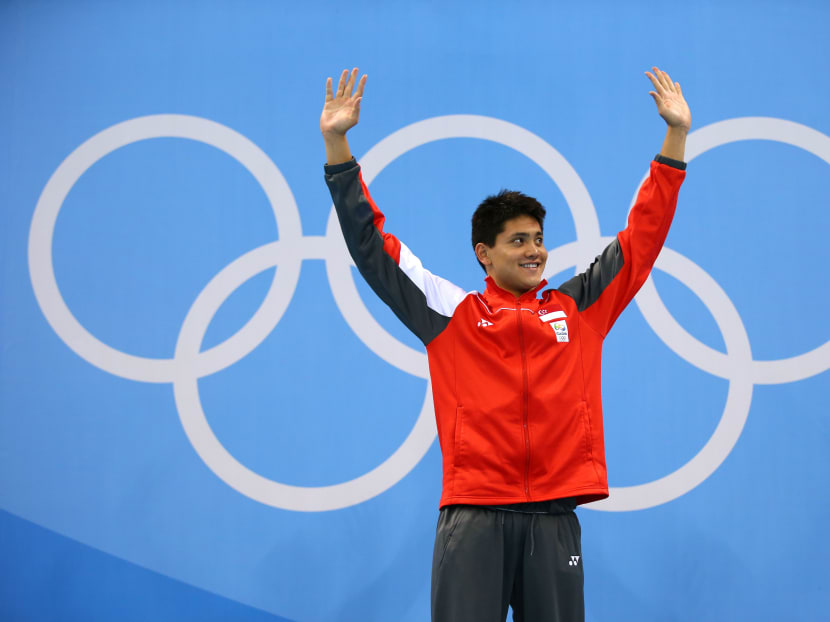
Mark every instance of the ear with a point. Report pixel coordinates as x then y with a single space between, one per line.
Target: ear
481 250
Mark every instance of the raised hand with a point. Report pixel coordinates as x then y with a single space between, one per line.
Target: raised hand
342 109
669 99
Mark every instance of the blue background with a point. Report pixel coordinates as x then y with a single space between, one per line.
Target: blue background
109 513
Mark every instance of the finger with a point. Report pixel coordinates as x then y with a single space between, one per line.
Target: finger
350 83
660 84
657 99
329 95
654 81
360 86
665 79
341 85
679 90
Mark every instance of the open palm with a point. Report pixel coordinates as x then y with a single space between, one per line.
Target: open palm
342 109
669 99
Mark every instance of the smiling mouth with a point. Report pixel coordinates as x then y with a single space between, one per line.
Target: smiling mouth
529 265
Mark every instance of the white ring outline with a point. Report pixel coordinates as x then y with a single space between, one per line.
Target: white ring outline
736 409
663 323
41 269
229 469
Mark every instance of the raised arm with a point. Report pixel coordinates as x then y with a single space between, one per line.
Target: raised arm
341 113
423 301
675 112
612 280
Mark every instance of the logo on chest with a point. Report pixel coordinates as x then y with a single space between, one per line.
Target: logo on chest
556 320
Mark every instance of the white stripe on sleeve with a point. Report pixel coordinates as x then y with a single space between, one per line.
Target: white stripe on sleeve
442 296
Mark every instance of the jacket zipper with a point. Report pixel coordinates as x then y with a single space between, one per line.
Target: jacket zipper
524 401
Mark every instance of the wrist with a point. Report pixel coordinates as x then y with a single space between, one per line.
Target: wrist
337 148
333 136
674 145
681 129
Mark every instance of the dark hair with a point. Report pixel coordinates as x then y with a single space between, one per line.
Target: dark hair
497 209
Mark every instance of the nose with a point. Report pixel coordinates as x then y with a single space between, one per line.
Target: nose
537 252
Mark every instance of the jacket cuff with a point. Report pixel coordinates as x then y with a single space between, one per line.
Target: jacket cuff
333 169
670 162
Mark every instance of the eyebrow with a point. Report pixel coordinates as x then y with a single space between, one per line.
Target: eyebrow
524 234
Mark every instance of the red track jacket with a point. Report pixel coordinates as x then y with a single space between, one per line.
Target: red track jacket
515 381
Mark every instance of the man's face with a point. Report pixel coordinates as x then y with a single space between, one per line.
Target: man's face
517 259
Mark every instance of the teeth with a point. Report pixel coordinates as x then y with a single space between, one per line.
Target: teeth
529 265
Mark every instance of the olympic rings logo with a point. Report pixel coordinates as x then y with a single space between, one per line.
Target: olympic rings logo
189 363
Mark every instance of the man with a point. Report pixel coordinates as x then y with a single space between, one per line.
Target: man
515 373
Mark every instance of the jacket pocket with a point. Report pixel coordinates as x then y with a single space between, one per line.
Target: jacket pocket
458 441
588 436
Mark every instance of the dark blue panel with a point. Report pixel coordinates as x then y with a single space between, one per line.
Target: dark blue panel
46 576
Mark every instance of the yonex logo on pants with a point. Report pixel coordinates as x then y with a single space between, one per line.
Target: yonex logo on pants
574 560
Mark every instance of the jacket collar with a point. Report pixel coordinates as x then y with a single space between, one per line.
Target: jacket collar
494 291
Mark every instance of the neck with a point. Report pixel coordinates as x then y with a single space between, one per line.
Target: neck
514 292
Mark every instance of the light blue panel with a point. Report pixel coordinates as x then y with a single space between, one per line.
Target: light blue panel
104 460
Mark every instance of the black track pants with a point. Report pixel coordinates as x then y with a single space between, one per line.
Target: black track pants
486 559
